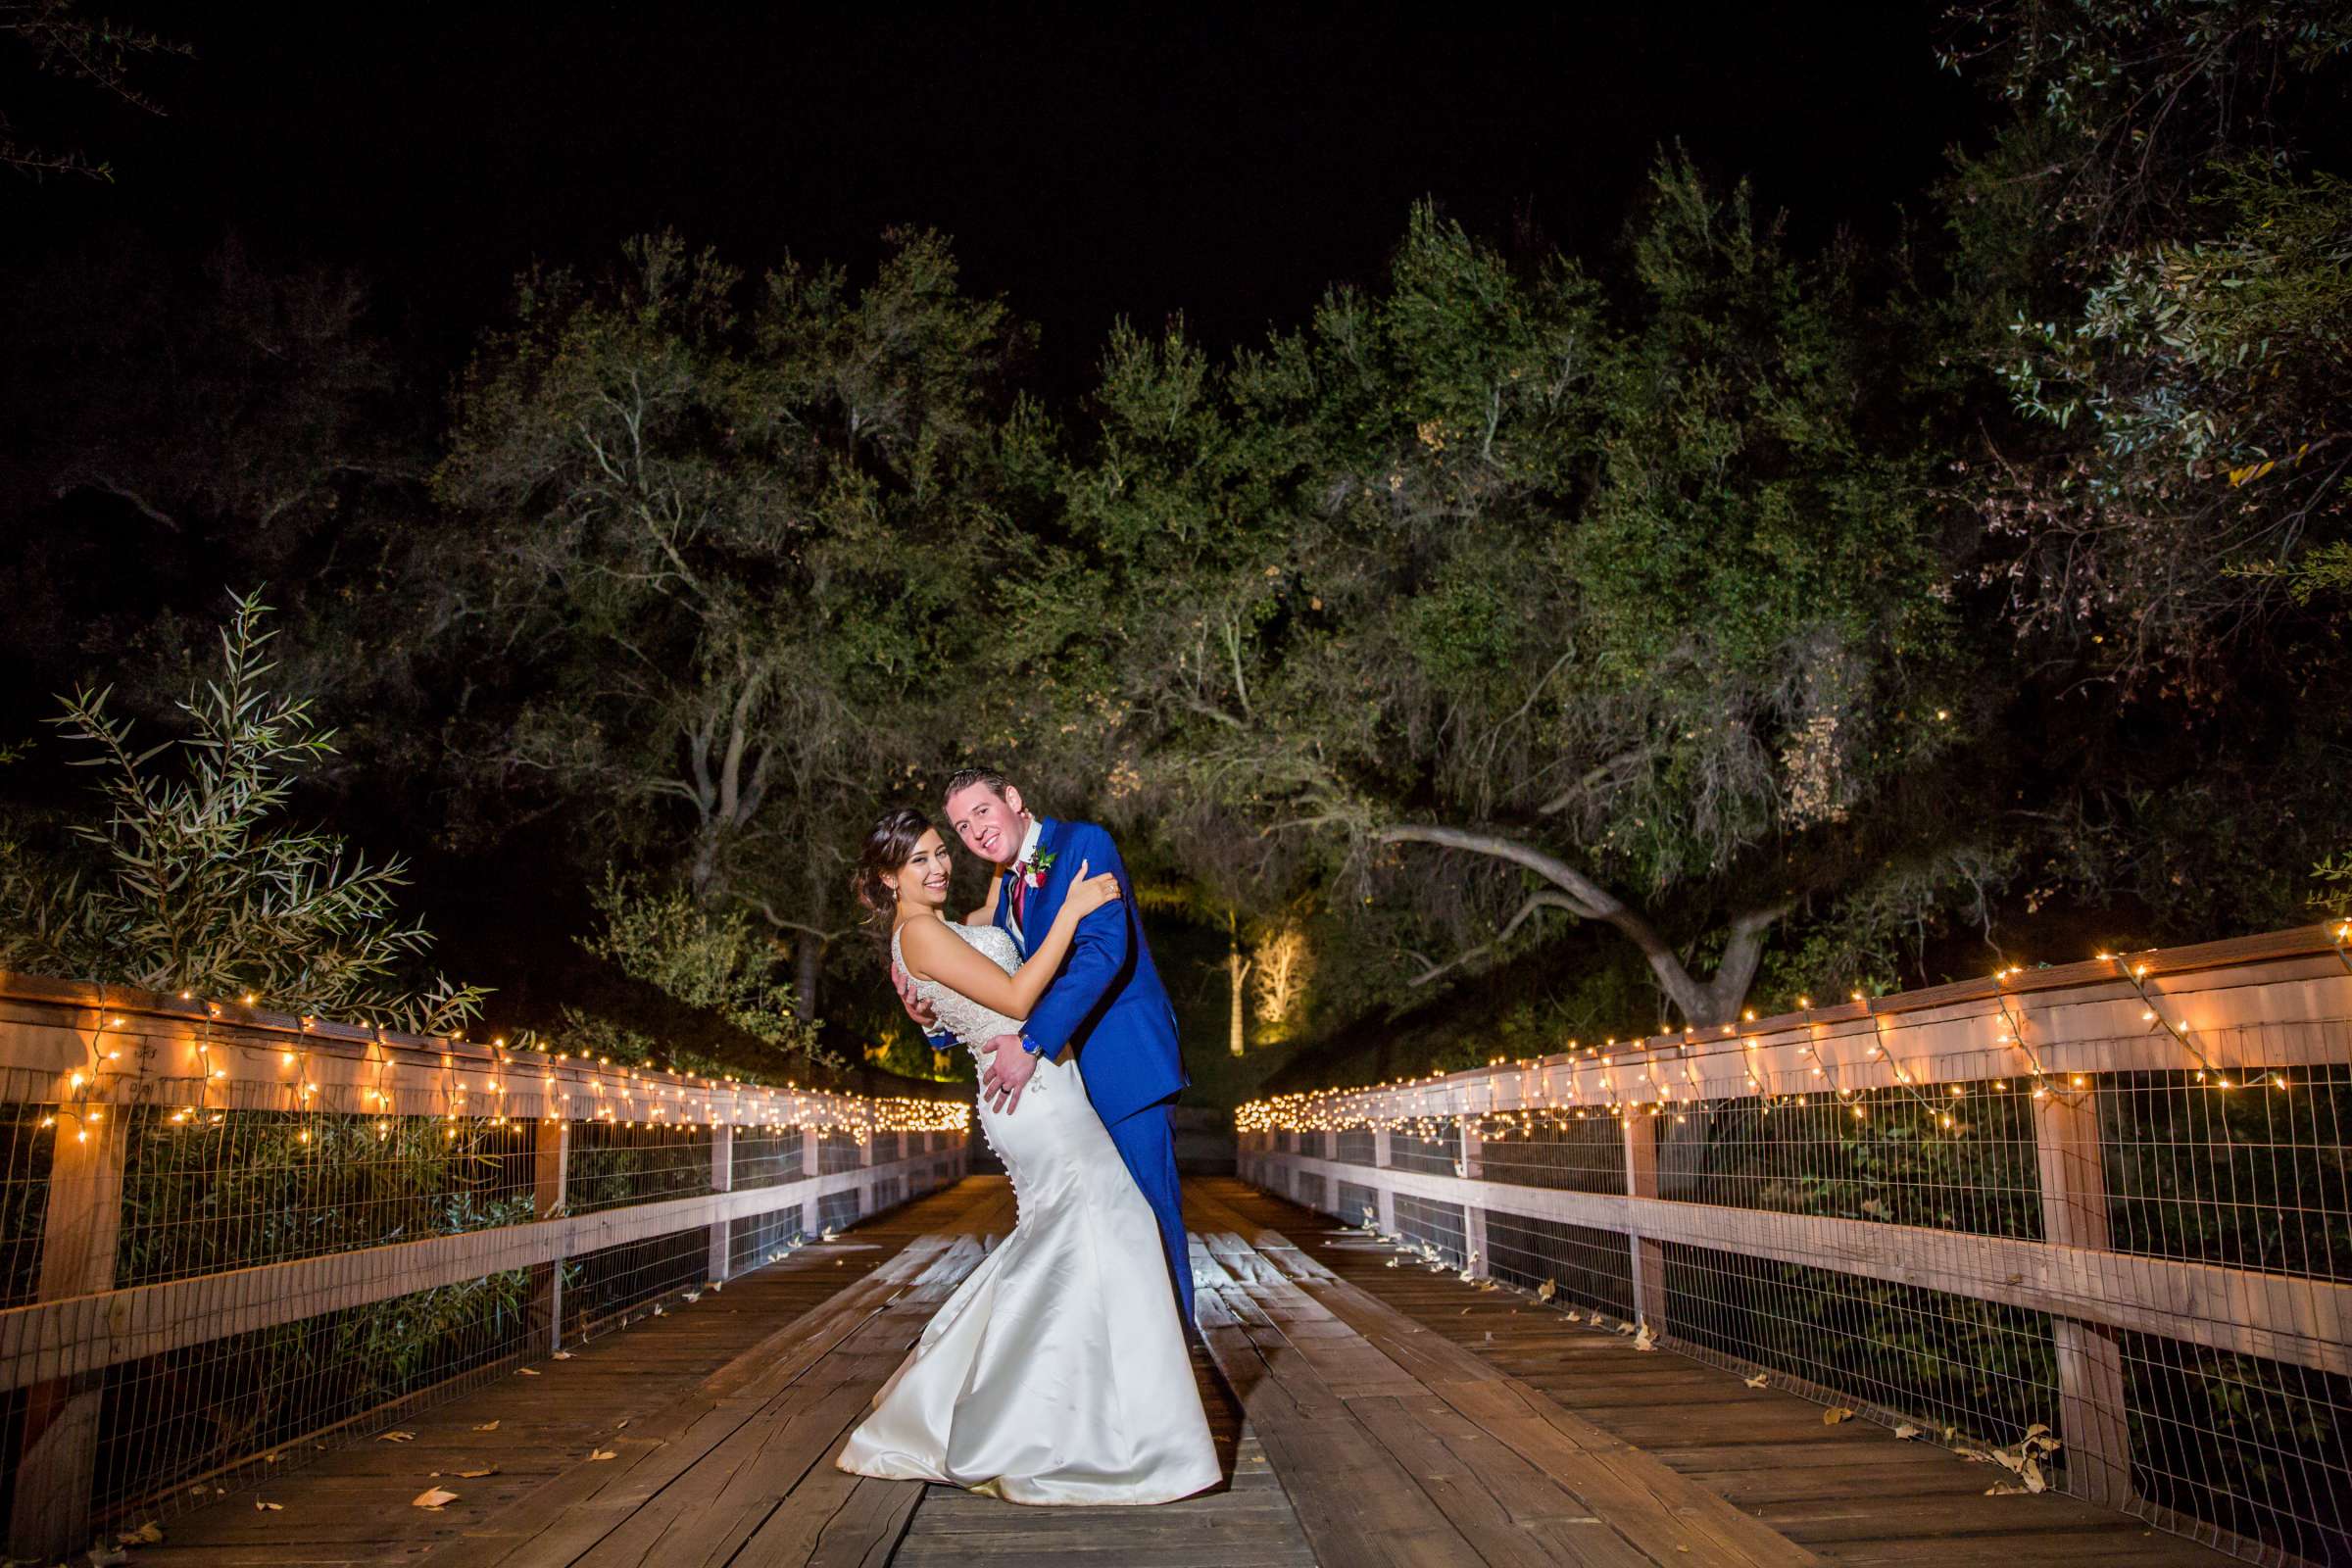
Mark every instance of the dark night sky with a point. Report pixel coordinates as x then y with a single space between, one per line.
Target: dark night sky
1088 163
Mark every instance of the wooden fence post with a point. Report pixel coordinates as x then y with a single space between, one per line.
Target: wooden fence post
551 1164
722 1180
1649 1257
56 1470
1472 1167
2092 1422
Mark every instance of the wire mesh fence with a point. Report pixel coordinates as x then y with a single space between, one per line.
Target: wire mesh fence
2100 1222
1589 1267
1570 1150
274 1243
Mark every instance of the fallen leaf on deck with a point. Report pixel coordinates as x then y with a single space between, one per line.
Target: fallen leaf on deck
147 1535
658 1312
524 1372
691 1297
487 1426
1392 1263
272 1458
1755 1382
396 1437
2004 1489
1547 1290
830 1233
563 1356
1834 1414
1464 1312
1625 1328
1905 1431
595 1454
715 1284
1575 1316
433 1497
1646 1341
476 1475
622 1422
259 1506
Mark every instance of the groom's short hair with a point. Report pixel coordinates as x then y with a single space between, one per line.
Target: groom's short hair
964 778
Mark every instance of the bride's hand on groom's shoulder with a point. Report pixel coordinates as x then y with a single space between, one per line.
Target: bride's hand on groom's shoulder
1090 893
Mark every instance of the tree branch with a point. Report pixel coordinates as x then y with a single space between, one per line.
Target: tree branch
1712 1001
1534 901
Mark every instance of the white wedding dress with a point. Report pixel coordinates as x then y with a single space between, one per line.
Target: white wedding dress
1058 1372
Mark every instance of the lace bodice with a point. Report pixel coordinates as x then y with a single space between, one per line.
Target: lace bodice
968 1020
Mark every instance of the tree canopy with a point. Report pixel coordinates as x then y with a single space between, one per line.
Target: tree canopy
1607 639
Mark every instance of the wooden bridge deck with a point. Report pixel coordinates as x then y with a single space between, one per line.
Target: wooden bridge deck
1367 1415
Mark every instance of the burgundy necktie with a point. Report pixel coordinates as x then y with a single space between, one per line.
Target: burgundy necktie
1020 897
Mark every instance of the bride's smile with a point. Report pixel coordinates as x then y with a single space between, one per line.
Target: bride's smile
922 882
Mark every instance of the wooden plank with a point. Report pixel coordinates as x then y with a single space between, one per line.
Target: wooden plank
1652 1507
1510 1511
1352 1499
2291 1318
576 1511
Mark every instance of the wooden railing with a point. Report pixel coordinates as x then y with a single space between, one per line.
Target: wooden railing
2197 1097
89 1072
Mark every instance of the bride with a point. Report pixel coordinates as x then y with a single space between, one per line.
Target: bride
1058 1372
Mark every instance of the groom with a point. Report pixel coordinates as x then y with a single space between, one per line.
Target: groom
1107 1000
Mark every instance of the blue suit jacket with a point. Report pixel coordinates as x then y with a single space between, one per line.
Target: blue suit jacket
1106 998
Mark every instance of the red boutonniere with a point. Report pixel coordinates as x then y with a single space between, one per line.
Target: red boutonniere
1032 871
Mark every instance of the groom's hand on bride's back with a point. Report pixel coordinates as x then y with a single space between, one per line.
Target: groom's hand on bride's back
925 1015
1008 1071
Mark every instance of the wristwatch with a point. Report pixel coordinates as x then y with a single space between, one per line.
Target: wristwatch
1028 1044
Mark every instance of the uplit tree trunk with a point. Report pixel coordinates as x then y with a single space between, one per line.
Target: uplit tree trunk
1703 1003
1237 969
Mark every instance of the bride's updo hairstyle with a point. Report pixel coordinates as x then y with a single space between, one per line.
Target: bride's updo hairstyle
889 844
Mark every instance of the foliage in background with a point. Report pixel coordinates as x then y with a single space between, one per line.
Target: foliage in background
2151 269
65 41
716 555
192 882
1629 612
